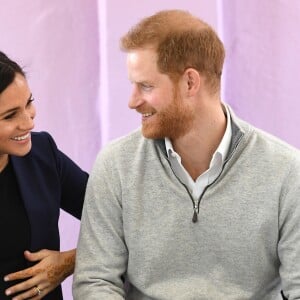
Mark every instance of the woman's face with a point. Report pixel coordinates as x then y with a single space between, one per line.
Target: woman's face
16 118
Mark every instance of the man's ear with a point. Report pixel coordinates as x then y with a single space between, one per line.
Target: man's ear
192 80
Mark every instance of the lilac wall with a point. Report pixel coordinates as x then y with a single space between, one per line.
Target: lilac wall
70 49
57 43
263 63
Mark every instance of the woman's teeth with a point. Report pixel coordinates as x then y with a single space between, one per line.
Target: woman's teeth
21 138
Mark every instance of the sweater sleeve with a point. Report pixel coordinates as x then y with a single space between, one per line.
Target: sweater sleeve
289 234
102 255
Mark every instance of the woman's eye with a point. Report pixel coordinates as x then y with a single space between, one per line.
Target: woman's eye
30 101
10 116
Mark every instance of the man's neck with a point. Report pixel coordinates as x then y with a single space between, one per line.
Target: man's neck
197 147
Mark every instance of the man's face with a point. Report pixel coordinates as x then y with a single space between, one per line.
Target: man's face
164 112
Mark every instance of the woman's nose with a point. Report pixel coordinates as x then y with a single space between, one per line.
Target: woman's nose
27 122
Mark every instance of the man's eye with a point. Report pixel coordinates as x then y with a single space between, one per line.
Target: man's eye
146 87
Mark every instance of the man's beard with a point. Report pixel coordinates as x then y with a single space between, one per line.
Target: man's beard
175 121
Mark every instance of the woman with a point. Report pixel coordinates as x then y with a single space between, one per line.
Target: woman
36 180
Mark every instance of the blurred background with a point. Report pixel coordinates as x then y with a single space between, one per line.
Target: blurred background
77 74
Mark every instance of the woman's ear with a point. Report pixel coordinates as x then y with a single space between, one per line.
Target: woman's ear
192 80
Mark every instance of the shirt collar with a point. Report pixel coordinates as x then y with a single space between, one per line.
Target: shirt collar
223 147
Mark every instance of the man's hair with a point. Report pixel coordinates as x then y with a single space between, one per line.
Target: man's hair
181 41
8 71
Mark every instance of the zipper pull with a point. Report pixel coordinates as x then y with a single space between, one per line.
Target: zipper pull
195 215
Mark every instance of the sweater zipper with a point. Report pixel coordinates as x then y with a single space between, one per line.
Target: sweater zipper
196 207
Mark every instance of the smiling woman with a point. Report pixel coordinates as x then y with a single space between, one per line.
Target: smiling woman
36 180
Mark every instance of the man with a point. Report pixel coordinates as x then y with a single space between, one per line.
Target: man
197 204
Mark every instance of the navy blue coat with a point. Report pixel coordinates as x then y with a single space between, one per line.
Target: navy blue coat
48 180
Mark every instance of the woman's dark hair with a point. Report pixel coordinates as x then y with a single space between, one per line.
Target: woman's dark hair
8 70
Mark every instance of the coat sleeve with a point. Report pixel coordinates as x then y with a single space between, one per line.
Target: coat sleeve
73 181
102 255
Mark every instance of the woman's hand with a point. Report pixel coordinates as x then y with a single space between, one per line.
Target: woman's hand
52 268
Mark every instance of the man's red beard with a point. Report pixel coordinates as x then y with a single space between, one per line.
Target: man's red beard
175 121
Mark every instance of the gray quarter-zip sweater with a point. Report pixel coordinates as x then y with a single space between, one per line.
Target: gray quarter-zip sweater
137 224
